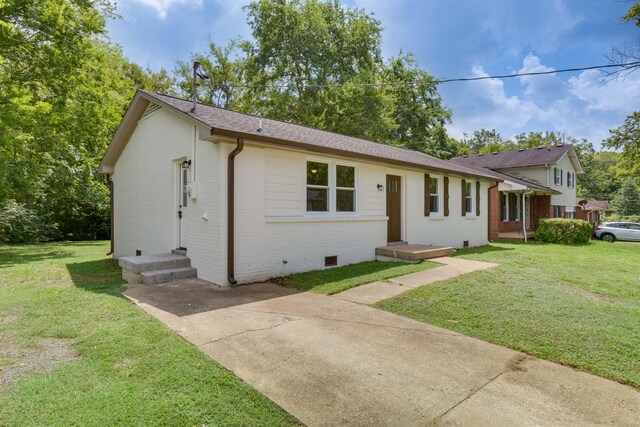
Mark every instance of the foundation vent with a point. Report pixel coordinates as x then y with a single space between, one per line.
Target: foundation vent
465 244
331 261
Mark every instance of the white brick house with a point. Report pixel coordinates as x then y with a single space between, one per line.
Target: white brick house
299 195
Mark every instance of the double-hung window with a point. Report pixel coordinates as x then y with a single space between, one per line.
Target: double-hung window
330 187
317 187
345 188
468 197
557 176
504 207
570 179
434 197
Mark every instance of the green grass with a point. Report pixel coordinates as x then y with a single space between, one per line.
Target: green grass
334 280
130 369
577 305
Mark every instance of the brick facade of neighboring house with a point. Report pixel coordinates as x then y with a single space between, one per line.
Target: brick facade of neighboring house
536 183
592 211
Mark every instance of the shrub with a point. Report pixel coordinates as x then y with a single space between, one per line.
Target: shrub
564 231
19 224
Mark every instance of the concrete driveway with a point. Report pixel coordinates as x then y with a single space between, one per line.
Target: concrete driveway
333 362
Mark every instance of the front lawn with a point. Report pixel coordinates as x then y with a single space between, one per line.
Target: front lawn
74 352
577 305
334 280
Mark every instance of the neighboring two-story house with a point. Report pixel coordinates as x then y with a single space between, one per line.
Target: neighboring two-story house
537 183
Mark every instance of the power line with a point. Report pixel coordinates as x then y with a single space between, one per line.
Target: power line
436 81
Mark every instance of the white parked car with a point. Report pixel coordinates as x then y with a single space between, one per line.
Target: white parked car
612 231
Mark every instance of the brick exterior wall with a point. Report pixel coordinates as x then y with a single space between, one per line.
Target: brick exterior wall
540 207
494 213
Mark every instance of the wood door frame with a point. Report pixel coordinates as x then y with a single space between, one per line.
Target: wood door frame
397 219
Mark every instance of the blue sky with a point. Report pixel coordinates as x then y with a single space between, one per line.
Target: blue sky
449 38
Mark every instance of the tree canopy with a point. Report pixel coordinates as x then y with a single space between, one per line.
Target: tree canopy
318 63
64 90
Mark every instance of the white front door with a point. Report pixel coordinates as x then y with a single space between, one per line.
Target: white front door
183 203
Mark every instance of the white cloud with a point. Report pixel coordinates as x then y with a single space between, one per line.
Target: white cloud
584 106
163 6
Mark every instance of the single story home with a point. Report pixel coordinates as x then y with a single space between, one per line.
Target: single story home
249 198
536 183
592 211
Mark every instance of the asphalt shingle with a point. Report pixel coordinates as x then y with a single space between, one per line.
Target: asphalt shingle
219 118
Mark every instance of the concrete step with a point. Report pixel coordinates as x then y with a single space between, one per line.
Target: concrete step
139 264
412 252
163 276
179 251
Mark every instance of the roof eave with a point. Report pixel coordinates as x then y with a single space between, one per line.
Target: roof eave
325 150
134 113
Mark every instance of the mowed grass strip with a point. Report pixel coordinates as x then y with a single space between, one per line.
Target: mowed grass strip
334 280
127 368
577 305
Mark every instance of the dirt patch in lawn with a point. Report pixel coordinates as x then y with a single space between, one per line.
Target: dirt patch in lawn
19 362
8 319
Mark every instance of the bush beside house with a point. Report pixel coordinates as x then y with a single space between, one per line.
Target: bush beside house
564 231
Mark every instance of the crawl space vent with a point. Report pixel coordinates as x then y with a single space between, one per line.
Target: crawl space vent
331 261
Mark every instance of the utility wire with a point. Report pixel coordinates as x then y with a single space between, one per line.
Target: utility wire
436 81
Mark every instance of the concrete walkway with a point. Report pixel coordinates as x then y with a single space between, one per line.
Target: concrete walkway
378 291
333 362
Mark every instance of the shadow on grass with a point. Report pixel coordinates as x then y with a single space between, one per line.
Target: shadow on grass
26 254
485 249
339 279
102 276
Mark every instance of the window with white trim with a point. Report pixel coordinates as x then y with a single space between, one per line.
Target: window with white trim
330 187
317 187
514 207
504 206
468 197
571 178
434 197
557 176
345 188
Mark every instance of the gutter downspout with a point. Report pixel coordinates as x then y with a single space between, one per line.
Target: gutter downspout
111 232
489 209
231 211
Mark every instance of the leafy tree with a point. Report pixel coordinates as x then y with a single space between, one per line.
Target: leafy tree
64 90
627 200
485 141
319 64
627 138
147 79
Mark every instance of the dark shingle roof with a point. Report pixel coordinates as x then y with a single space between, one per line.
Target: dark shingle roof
516 158
529 184
306 137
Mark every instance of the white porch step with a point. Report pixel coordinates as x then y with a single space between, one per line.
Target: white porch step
156 269
140 264
163 276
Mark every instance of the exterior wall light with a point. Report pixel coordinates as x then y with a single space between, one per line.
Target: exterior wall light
380 187
186 164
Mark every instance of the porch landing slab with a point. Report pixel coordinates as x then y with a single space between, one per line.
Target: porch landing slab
413 252
377 291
